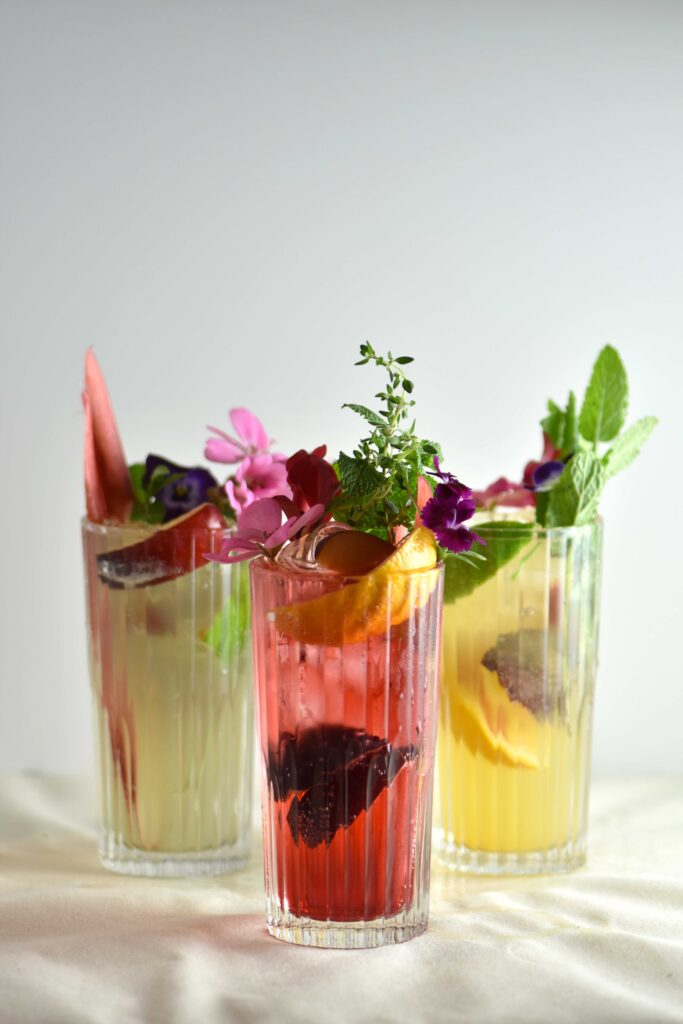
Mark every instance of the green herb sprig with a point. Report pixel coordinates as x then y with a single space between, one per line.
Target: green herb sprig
575 498
380 478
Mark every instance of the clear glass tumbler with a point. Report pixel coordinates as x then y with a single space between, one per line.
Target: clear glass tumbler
347 690
518 679
170 668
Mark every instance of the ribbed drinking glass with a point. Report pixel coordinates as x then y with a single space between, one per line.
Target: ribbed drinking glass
518 679
170 668
347 689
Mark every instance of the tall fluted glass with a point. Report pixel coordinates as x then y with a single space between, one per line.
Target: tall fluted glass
518 679
170 669
347 690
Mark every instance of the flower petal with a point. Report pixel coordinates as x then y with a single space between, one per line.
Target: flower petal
230 559
458 540
311 516
250 429
280 535
264 515
219 449
545 476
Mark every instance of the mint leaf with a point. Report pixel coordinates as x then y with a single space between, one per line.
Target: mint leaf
561 426
604 406
229 630
137 472
627 446
553 424
358 478
574 499
504 540
570 433
542 505
368 414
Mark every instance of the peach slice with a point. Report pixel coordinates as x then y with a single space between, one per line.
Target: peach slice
385 597
108 489
352 552
169 552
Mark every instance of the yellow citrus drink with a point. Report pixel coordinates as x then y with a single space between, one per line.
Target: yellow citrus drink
519 653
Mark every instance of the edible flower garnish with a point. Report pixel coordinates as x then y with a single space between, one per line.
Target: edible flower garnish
176 489
311 478
261 531
260 473
451 505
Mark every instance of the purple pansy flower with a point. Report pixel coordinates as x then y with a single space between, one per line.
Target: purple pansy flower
449 507
188 486
546 474
260 529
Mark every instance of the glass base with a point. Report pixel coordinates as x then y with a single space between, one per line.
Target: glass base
126 860
556 860
383 931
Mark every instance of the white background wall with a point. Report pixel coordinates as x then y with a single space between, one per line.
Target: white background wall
226 198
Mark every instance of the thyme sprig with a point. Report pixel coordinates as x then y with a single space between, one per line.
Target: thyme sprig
380 479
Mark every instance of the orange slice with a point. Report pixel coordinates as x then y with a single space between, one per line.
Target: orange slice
493 726
385 597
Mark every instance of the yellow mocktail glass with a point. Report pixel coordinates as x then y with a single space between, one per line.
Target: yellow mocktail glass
518 676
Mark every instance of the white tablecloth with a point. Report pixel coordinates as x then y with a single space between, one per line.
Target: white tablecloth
79 944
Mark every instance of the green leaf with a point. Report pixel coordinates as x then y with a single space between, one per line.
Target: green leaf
627 446
542 504
570 432
604 406
358 478
367 414
230 628
553 424
137 472
404 360
504 541
574 499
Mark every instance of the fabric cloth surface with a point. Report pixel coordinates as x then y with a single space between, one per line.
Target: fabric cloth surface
78 944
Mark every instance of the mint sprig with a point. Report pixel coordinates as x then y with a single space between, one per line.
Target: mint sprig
575 498
627 446
561 426
606 400
379 479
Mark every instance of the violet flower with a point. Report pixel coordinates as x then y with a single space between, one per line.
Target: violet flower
187 488
260 530
545 475
444 514
260 473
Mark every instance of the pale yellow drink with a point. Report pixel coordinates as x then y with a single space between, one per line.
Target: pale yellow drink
170 667
519 654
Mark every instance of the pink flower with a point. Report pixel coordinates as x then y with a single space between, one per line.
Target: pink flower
253 439
260 529
504 492
259 476
260 473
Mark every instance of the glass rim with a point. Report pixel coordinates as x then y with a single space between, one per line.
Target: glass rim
262 563
141 528
504 525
